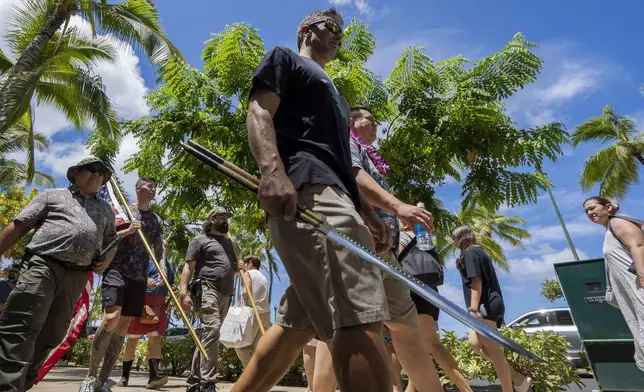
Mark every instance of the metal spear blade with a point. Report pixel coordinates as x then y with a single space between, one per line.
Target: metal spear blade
424 291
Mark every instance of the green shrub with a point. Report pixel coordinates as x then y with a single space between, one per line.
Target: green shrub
177 355
80 351
548 376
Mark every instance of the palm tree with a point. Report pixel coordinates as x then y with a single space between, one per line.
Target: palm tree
38 40
615 167
487 227
12 172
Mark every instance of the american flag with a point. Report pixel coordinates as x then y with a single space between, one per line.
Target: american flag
107 193
81 313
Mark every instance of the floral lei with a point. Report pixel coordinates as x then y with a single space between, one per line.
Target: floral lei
378 161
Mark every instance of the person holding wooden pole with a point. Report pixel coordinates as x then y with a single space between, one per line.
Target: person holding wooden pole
255 292
211 257
124 286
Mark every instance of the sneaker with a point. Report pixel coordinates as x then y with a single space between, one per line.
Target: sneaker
157 382
88 385
104 388
110 383
193 388
210 387
525 385
123 382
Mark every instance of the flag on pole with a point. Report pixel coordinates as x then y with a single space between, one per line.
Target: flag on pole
81 313
107 193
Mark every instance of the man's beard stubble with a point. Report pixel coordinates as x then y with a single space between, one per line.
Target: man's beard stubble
222 228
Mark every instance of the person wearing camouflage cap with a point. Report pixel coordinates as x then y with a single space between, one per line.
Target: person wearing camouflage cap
71 225
123 291
211 256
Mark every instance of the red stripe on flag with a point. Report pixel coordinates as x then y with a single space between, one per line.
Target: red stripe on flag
81 313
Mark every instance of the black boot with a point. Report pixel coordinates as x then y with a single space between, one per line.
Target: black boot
127 366
156 381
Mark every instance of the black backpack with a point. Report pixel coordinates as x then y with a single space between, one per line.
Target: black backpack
422 264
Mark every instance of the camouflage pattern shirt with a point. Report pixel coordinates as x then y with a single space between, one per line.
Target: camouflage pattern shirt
69 226
360 159
131 259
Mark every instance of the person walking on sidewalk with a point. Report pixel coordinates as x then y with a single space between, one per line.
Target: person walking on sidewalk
299 135
124 286
70 225
484 299
211 256
153 325
259 289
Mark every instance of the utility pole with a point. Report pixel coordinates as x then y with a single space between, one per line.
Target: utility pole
561 222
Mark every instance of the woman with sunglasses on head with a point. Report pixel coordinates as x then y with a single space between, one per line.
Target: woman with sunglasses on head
484 299
624 257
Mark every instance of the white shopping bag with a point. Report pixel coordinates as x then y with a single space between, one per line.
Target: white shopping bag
237 328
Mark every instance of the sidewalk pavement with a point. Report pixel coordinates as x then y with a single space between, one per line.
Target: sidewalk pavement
68 379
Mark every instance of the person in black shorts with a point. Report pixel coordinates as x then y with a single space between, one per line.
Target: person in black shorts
428 323
124 286
484 299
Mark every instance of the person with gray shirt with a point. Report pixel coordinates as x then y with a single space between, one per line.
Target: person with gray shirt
211 256
71 226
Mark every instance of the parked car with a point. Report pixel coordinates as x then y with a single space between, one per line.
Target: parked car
558 321
175 333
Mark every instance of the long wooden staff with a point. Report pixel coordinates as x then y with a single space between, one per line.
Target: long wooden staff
191 330
250 295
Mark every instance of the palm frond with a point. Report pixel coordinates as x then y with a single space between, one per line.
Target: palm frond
495 251
5 64
26 20
608 166
135 22
13 173
18 97
596 129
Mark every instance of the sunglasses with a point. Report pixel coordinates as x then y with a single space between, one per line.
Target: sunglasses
330 25
94 169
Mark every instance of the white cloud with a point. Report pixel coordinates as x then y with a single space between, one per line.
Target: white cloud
362 5
568 73
579 227
536 269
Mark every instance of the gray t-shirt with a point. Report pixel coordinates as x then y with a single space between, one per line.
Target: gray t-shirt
68 226
215 259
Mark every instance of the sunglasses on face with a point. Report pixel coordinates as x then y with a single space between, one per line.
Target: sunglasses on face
94 170
330 25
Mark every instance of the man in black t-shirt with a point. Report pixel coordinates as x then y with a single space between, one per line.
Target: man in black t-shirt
299 134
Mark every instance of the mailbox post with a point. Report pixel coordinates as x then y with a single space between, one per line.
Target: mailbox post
607 341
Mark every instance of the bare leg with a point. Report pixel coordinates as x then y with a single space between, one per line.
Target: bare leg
308 356
414 357
479 348
324 377
359 359
130 347
395 368
440 353
275 353
494 353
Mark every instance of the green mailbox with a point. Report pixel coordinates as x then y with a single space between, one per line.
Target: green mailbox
607 341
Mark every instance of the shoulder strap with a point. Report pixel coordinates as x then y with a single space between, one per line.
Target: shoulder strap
638 222
408 248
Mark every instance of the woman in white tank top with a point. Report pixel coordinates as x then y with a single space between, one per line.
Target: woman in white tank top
259 289
623 246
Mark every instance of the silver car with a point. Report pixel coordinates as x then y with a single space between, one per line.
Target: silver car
558 321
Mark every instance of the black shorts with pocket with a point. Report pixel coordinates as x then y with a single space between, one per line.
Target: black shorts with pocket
493 310
425 307
122 291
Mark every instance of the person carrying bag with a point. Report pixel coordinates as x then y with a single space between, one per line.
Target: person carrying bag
237 328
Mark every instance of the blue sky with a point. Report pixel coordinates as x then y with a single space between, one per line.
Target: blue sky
589 63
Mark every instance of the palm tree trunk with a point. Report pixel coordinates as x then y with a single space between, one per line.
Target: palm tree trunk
60 12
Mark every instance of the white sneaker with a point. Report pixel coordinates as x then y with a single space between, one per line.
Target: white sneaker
88 385
525 385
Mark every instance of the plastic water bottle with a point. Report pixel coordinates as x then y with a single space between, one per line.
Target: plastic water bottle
424 239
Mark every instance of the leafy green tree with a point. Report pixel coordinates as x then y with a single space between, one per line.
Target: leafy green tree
21 138
12 201
452 114
616 167
551 290
490 227
43 41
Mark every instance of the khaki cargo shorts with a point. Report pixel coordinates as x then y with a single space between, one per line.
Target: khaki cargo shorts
331 288
401 306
